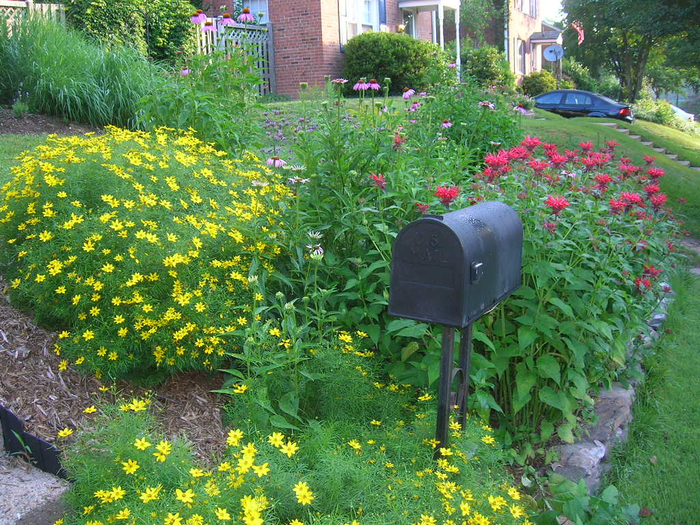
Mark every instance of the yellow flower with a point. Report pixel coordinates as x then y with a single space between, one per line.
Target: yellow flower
446 452
489 440
123 514
234 437
172 519
296 522
261 470
290 448
150 494
517 511
276 439
63 365
163 450
275 331
88 334
186 497
375 423
130 466
90 410
197 473
117 493
222 514
513 493
65 433
240 388
425 397
303 493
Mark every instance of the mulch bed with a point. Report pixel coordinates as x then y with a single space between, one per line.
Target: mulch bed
48 400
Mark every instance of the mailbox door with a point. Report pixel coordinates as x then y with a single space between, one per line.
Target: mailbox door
427 276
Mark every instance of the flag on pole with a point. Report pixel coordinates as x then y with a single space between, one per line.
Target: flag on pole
579 29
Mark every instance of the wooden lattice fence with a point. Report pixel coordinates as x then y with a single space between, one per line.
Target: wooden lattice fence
12 10
254 40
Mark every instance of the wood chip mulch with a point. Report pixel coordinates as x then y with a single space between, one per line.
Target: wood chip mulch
31 124
48 400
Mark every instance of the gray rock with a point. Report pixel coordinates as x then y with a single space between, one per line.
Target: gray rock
657 320
613 410
584 460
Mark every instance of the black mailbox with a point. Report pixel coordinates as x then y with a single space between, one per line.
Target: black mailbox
452 269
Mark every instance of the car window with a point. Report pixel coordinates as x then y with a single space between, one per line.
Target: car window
549 98
577 99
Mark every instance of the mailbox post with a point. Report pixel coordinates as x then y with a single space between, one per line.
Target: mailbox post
450 270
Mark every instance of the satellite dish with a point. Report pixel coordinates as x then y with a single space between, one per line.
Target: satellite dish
554 53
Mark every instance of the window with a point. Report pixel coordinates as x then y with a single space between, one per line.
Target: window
577 99
549 98
533 8
519 5
522 57
258 6
357 16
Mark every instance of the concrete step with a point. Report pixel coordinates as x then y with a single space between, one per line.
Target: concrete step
609 124
624 130
660 150
647 143
696 168
672 157
636 137
684 162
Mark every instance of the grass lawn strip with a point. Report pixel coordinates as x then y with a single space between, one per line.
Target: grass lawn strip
659 468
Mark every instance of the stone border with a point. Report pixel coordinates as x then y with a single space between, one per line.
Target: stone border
589 457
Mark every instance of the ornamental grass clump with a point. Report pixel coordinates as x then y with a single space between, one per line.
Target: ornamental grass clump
138 246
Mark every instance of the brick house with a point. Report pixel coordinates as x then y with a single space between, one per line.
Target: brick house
308 35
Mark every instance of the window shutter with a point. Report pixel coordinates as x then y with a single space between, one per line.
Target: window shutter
382 11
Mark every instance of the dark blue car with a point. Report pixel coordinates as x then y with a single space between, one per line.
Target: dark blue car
577 103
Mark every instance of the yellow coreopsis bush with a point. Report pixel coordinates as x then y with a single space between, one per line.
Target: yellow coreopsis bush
140 245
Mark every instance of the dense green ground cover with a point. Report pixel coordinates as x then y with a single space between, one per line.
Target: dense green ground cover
660 466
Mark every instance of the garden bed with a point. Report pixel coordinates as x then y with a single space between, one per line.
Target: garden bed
34 124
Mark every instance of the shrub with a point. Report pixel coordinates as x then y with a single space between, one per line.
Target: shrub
139 246
157 28
214 96
488 67
62 74
579 74
539 82
408 62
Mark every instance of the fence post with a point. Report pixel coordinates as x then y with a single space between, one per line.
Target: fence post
271 58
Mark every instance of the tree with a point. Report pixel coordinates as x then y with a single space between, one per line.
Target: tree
620 34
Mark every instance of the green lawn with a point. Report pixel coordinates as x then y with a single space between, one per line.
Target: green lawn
685 145
679 182
659 468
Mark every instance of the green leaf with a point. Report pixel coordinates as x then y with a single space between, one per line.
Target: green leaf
279 422
524 380
610 495
417 330
526 336
372 330
350 284
289 403
233 372
481 336
562 306
565 432
546 430
313 376
408 350
550 397
399 324
433 372
486 400
548 366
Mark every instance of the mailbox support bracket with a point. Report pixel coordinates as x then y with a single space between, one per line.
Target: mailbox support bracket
447 374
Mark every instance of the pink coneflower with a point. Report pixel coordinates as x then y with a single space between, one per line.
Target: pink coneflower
447 194
226 20
378 181
557 204
185 71
487 104
361 85
446 124
408 93
373 84
199 17
208 27
275 162
452 64
422 208
339 80
245 17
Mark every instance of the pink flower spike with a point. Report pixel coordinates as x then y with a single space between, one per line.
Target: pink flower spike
275 162
245 17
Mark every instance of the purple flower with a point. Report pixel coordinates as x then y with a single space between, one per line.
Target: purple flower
185 71
373 84
446 124
487 104
199 17
361 85
275 162
226 20
452 64
521 109
208 27
245 17
408 93
339 80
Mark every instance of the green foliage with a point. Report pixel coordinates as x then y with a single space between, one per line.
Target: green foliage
477 16
160 29
139 247
579 74
20 109
408 62
215 97
539 82
660 111
487 66
62 74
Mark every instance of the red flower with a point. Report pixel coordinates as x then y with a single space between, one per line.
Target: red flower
586 146
557 204
603 180
498 161
658 200
551 227
642 284
651 189
422 208
549 146
518 153
631 198
612 144
538 166
398 141
652 271
616 206
571 154
378 181
531 143
447 195
649 160
655 173
558 160
682 200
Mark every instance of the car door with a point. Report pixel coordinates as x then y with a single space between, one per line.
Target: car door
549 101
576 104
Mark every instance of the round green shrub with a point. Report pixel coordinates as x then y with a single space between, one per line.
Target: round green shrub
579 74
160 29
139 246
487 66
539 82
408 62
